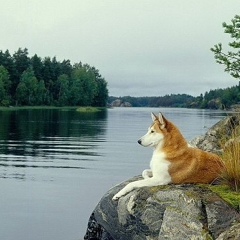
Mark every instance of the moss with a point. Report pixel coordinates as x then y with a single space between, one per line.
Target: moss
159 188
192 194
206 235
231 197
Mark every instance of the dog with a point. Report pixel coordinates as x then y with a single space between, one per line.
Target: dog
173 160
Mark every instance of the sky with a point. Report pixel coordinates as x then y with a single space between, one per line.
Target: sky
141 47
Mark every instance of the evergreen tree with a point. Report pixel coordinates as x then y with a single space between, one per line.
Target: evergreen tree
41 94
4 87
100 98
21 63
101 92
83 87
62 89
6 61
27 88
66 67
37 66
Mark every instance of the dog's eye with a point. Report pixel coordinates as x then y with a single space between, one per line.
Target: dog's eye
152 131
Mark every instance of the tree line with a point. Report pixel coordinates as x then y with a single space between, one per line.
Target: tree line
172 100
218 98
36 81
213 99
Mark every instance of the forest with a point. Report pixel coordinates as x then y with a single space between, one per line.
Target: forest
28 81
36 81
213 99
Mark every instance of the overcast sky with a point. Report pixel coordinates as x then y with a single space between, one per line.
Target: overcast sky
141 47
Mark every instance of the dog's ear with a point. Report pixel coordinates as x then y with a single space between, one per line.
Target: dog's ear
154 117
162 120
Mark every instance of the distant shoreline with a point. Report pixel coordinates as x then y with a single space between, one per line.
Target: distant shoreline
77 108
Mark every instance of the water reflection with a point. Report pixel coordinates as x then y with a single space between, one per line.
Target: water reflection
49 138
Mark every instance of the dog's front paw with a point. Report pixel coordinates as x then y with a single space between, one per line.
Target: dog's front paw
119 194
123 192
115 198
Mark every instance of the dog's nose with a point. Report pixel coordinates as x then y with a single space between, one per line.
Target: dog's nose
139 141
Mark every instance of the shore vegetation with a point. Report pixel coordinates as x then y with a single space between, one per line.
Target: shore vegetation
231 160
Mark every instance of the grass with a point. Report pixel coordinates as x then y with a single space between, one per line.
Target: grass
226 193
90 109
231 161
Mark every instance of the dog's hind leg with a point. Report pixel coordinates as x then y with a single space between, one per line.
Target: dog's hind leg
147 173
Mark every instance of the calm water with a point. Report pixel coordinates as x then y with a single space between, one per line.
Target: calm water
55 165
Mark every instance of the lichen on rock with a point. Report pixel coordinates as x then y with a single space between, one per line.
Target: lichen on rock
175 212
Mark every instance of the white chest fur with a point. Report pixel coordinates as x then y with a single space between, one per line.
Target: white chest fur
159 166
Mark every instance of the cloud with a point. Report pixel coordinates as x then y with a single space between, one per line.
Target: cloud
141 47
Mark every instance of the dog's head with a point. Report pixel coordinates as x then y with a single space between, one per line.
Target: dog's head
155 133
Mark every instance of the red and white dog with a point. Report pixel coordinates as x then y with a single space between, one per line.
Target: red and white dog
173 160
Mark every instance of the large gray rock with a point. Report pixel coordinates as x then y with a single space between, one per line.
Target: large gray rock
175 212
211 140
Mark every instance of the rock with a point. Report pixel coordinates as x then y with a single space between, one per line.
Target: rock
232 233
120 103
210 141
126 104
214 104
165 212
116 103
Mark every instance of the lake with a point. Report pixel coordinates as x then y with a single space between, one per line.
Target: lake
56 164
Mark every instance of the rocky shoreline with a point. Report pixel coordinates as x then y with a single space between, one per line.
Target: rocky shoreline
164 212
169 212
